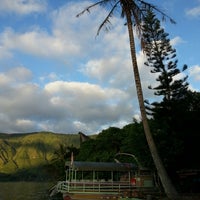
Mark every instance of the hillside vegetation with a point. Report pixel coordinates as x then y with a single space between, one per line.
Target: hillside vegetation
22 152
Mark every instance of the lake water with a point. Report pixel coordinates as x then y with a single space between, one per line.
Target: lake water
26 191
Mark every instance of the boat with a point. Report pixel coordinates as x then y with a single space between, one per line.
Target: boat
105 180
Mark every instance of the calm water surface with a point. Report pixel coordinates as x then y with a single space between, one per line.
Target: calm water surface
26 191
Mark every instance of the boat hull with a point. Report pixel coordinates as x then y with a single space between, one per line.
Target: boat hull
83 196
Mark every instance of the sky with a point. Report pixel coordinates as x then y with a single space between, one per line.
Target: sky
57 75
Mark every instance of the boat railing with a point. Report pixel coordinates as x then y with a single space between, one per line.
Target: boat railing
94 186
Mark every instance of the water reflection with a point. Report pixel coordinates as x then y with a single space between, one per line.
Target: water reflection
26 191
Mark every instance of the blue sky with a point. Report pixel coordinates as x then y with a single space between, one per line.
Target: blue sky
56 75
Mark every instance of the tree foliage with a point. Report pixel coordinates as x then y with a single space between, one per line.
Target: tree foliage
178 111
161 58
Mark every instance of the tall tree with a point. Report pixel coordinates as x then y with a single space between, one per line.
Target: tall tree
171 86
134 12
161 57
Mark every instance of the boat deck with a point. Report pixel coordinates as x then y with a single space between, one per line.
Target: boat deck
109 190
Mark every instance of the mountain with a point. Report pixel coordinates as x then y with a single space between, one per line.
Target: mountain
22 152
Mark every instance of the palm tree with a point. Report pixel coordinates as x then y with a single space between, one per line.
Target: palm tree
134 12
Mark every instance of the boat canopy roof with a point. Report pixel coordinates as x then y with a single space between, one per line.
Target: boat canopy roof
100 166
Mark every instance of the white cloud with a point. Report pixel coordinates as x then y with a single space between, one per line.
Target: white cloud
194 77
193 12
175 41
36 42
22 6
194 72
104 68
70 36
60 106
15 76
77 97
19 74
64 40
25 123
107 98
50 77
4 79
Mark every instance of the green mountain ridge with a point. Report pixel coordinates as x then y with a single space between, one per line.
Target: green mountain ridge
30 150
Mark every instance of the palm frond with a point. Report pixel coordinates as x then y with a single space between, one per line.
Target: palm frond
87 9
136 8
154 8
106 20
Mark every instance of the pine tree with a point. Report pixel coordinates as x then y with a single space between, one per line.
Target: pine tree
169 113
161 57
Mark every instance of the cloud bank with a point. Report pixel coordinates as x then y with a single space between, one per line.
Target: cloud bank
61 77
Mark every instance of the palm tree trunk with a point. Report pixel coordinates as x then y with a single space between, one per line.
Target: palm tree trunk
165 180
